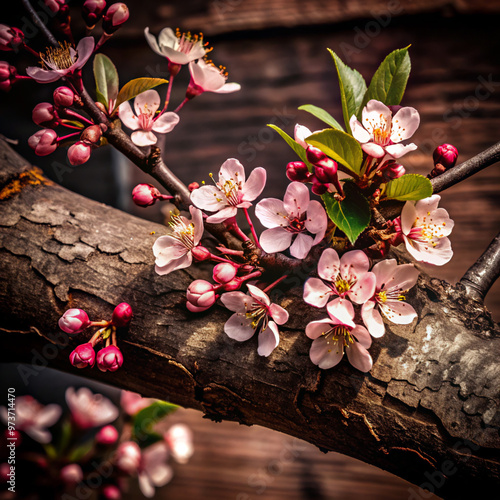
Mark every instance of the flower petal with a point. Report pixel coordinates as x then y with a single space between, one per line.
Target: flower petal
44 76
147 102
315 329
316 293
376 115
362 336
398 312
301 133
359 357
363 289
166 248
175 265
404 124
399 150
143 138
268 339
228 88
329 265
255 184
316 220
231 170
222 215
41 435
236 301
341 311
271 213
301 246
276 239
279 315
48 416
127 116
384 271
358 131
354 265
259 295
326 354
151 39
408 217
372 319
404 278
209 198
296 199
238 327
84 49
197 221
372 149
166 122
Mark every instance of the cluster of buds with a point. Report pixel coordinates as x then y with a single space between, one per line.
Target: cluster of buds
112 18
109 358
145 195
445 157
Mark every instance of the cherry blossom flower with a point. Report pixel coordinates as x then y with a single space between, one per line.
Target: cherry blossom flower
231 191
393 282
291 217
425 229
62 61
347 276
179 439
33 418
178 48
131 402
144 121
251 314
205 77
173 251
381 133
336 334
301 133
153 470
88 409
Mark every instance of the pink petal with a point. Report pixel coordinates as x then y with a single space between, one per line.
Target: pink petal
143 138
363 289
329 265
151 39
236 301
404 278
358 131
228 88
84 49
301 133
399 150
146 485
44 76
148 101
175 265
279 314
271 213
222 215
209 198
376 115
316 293
274 240
425 252
197 220
43 436
341 311
127 116
316 220
48 416
408 217
231 169
398 312
315 329
268 339
166 122
404 124
359 357
238 327
362 336
255 184
258 295
326 353
372 319
384 271
167 247
301 246
427 205
372 149
354 265
439 222
296 200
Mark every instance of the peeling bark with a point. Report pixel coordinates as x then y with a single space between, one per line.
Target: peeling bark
429 411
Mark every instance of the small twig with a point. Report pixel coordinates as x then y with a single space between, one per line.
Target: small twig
466 169
484 272
38 22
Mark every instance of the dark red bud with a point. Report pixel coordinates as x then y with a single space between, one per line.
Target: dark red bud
315 155
446 155
193 186
91 134
298 171
318 187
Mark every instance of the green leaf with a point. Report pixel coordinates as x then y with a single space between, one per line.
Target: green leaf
351 215
352 89
389 81
301 152
323 115
408 187
136 87
79 452
145 419
106 79
340 146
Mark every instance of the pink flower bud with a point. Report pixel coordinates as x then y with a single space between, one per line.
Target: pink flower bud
193 186
10 38
200 253
446 155
298 171
43 115
224 272
74 321
92 11
122 315
111 492
115 16
71 474
91 134
43 142
64 97
315 155
394 171
79 153
318 187
234 284
200 295
109 359
108 435
83 356
8 76
326 171
57 6
128 457
145 195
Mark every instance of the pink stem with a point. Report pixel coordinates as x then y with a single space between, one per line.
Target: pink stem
216 258
100 323
164 197
31 51
74 114
74 127
64 137
230 251
113 336
178 108
23 77
250 276
252 228
272 285
169 91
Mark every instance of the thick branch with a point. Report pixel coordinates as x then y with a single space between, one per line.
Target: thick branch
429 407
38 22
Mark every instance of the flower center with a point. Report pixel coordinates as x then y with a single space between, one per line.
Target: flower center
425 230
340 335
342 286
230 188
296 225
382 296
182 231
186 41
58 57
258 314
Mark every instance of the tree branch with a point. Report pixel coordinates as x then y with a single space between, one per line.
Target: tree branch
38 22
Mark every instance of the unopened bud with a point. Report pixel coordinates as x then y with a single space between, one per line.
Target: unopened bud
64 97
224 272
115 16
101 106
43 142
71 474
200 253
108 435
91 134
319 188
393 171
109 359
193 186
145 195
200 295
10 38
122 315
79 153
74 321
44 116
92 11
446 155
298 171
111 492
326 172
83 356
57 6
315 155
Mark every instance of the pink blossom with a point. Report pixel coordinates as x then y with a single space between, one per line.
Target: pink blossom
128 457
43 115
205 77
154 471
107 436
179 439
336 334
122 315
200 296
251 314
10 38
116 15
224 272
392 282
144 121
63 97
74 321
71 474
344 277
83 356
294 216
231 192
381 132
173 251
301 133
92 11
43 142
62 61
33 418
178 48
425 229
132 403
88 409
79 153
145 195
109 358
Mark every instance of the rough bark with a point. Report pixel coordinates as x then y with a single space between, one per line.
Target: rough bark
427 412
